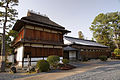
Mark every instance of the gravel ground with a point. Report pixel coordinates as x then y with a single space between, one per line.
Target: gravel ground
111 71
22 74
8 76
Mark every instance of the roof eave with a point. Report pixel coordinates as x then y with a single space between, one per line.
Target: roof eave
91 45
18 25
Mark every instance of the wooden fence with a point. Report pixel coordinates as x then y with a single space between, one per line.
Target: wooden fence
96 54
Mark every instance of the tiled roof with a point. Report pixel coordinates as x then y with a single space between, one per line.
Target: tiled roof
68 48
83 42
39 20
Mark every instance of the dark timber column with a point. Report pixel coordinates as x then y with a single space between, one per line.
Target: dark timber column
23 62
23 52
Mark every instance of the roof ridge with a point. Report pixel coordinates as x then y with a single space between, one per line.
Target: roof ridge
79 38
41 19
29 13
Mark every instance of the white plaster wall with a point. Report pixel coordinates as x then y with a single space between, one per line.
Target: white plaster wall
19 55
66 41
72 54
37 59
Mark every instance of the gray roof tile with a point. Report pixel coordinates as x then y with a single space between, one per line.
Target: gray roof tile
68 48
83 42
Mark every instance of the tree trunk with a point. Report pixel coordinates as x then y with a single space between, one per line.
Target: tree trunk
3 41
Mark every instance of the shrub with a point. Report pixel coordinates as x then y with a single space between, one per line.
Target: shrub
42 65
61 65
84 58
65 61
53 60
117 56
103 58
117 51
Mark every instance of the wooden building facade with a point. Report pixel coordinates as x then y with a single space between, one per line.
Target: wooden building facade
39 37
79 48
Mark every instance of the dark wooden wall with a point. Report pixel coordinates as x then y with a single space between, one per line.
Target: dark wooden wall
42 52
91 51
89 47
36 35
93 54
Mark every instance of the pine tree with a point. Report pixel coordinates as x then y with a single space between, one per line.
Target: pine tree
106 29
7 18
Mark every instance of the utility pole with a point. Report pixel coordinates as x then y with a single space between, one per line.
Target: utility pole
3 39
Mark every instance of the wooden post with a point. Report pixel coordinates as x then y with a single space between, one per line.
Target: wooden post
28 56
30 59
22 62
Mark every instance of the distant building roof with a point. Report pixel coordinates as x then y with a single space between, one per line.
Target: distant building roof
37 19
68 48
83 42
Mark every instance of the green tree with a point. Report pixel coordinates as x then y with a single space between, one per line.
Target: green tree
10 12
7 18
106 29
13 34
117 51
9 37
81 36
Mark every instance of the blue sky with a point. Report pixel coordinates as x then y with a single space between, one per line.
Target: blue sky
74 15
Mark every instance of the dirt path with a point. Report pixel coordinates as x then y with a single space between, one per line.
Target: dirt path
58 75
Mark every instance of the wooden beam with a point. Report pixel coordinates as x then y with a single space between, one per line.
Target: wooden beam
22 62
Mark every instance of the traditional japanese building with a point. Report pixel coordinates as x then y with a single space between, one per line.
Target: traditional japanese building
77 48
39 37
